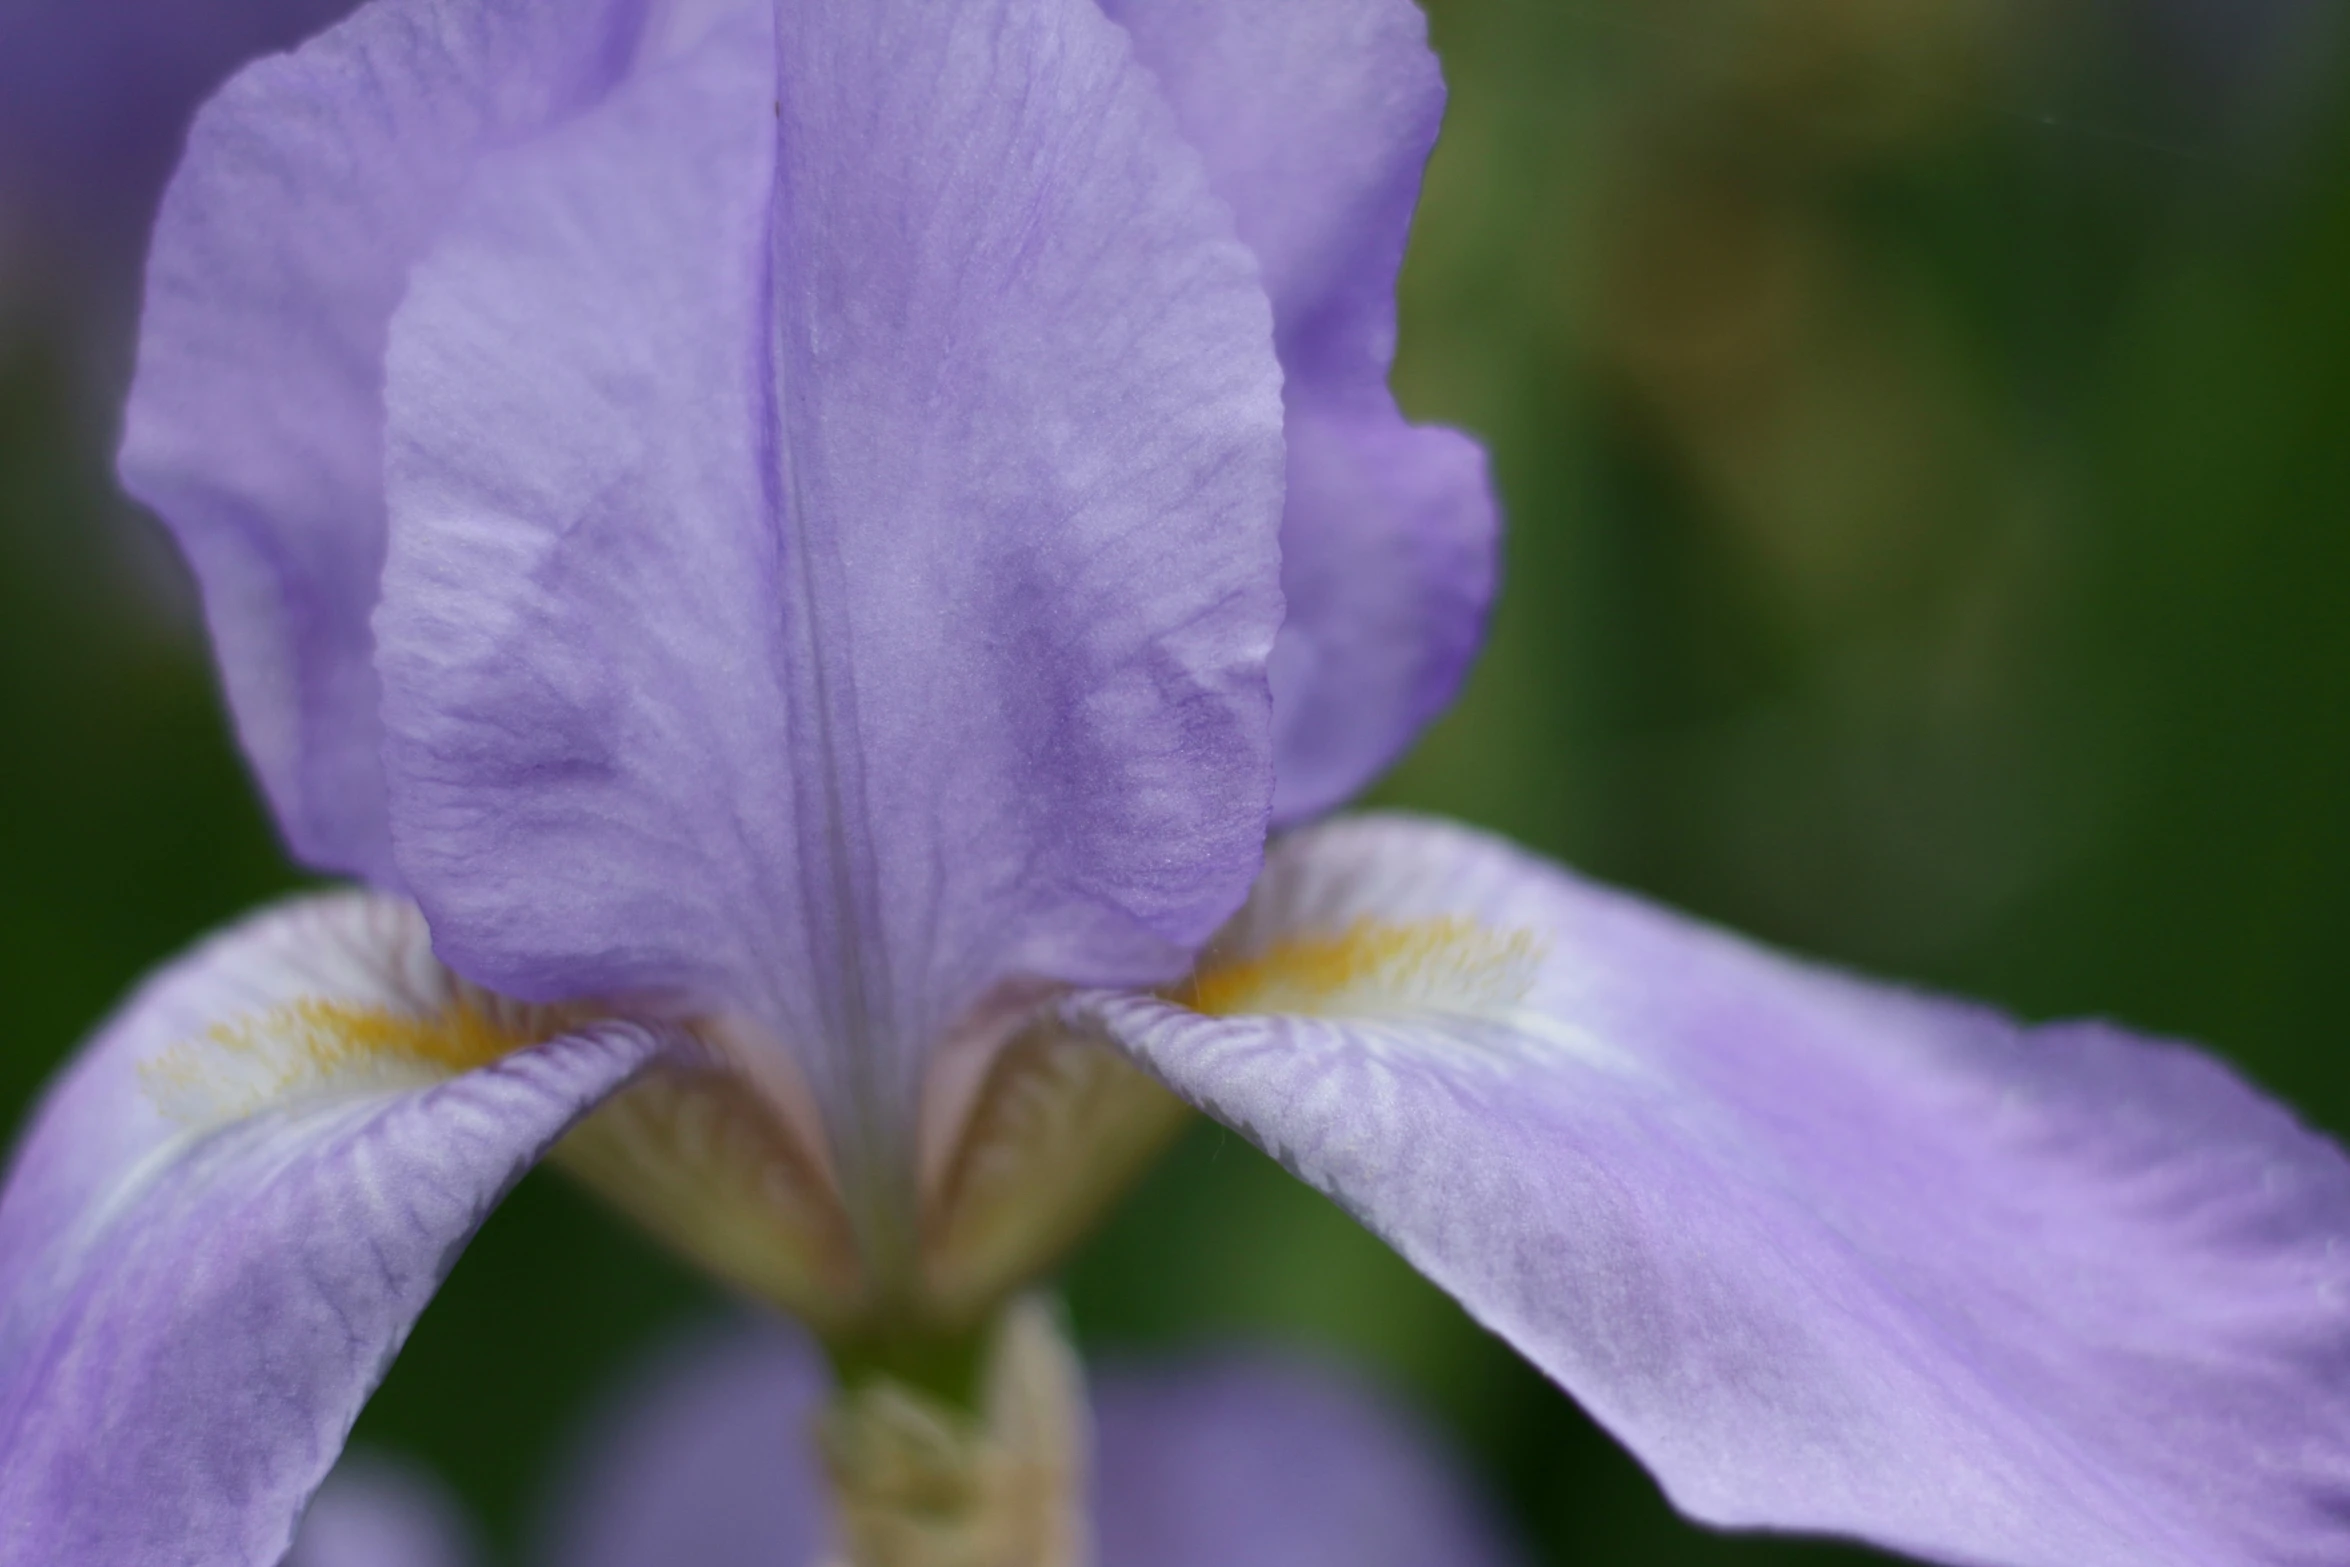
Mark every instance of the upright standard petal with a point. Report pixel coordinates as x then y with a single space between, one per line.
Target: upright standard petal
1217 1461
1825 1255
231 1209
835 492
1316 118
311 185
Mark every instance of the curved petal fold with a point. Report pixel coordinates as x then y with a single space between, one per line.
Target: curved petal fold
1316 118
835 493
1227 1460
228 1213
1826 1255
311 184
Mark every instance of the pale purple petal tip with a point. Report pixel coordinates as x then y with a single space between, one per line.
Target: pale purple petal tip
311 185
1316 118
1263 1461
374 1511
1824 1254
1388 581
706 1457
1223 1461
212 1243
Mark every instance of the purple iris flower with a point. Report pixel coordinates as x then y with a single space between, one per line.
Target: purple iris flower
800 552
1225 1460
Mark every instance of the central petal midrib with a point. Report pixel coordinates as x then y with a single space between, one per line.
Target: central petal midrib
867 1110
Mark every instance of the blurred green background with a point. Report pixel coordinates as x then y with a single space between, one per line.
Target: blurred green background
1925 428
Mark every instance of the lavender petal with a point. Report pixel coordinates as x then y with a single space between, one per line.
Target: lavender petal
375 1512
1225 1460
310 186
1316 117
220 1228
834 540
1824 1254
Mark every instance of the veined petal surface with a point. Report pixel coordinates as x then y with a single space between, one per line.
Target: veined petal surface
310 186
230 1210
1826 1255
835 493
1316 118
1224 1460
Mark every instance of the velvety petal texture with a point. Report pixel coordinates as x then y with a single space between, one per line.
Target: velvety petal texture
310 187
229 1212
1826 1255
1219 1461
1316 118
834 492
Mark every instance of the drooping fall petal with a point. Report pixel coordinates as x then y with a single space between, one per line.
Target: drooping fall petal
229 1212
1825 1254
